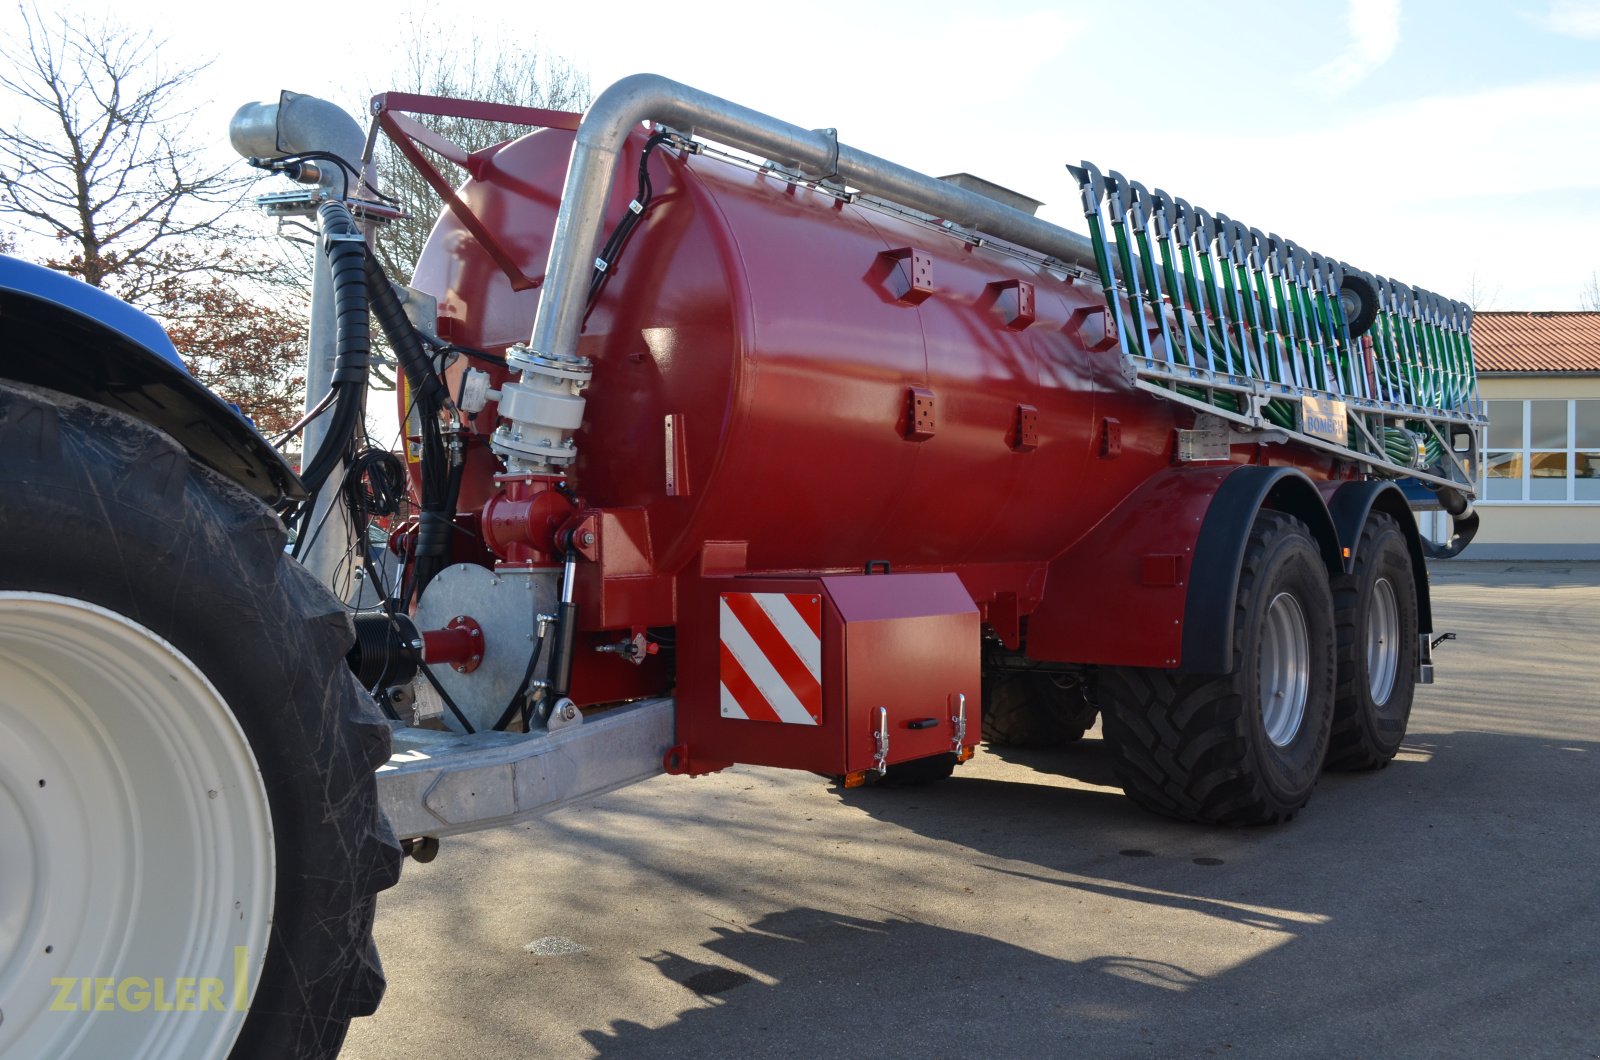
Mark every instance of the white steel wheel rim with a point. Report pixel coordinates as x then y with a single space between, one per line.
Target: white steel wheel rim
139 858
1383 641
1284 669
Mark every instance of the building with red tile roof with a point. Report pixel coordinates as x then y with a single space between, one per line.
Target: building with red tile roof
1539 462
1557 342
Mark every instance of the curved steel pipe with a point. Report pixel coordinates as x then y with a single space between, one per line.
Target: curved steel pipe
298 123
650 97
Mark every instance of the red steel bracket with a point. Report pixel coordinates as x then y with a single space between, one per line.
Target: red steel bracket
389 110
1025 432
915 273
1015 301
919 414
1094 328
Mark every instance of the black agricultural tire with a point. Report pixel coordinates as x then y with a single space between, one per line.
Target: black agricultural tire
918 772
1027 708
1195 747
100 507
1367 734
1366 297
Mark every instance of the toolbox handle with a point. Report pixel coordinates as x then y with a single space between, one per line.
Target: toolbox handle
871 563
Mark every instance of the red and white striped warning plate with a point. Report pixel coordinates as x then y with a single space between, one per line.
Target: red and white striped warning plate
772 657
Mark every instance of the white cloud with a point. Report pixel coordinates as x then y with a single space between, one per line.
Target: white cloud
1572 18
1423 190
1374 34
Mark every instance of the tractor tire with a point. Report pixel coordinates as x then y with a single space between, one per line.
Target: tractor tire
1375 616
1244 747
187 783
1027 708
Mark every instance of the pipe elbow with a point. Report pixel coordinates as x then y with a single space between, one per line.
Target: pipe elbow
623 105
296 124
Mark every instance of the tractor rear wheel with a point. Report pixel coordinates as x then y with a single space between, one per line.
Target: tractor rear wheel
1031 708
1247 746
187 787
1375 615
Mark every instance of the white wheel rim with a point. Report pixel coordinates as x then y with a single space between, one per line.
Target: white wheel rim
141 868
1284 669
1383 641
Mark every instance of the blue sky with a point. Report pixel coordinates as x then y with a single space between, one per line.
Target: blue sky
1445 144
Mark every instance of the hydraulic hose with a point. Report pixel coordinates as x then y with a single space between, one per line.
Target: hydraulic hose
343 245
408 347
1465 526
440 482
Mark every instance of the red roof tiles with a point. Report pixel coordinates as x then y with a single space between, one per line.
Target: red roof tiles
1536 342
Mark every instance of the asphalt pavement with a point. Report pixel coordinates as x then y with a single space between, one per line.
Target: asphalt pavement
1447 906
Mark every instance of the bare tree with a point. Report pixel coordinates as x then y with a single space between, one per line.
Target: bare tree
249 352
1589 295
1480 296
494 72
100 160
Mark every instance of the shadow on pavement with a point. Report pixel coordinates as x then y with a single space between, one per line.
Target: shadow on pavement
1441 907
822 984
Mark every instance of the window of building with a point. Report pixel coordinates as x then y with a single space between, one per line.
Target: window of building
1542 452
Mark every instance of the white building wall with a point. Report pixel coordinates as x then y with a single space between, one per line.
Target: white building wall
1541 530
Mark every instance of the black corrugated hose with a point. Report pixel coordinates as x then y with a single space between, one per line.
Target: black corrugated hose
341 242
440 481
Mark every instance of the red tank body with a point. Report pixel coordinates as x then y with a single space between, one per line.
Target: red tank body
762 321
790 384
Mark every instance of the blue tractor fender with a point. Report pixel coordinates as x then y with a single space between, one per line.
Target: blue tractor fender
63 334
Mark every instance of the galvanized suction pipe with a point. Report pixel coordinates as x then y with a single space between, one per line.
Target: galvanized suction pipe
650 97
327 553
294 125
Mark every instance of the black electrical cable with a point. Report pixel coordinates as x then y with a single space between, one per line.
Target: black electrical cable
357 501
347 169
436 517
636 210
445 696
378 479
477 355
375 579
375 479
305 534
361 516
518 698
300 424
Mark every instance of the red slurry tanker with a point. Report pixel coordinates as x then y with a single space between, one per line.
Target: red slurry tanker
727 443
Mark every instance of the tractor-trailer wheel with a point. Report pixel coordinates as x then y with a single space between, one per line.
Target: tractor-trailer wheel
187 795
1375 616
1033 708
1247 746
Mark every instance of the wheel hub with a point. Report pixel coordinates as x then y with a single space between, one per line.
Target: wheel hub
136 889
1284 669
1383 641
